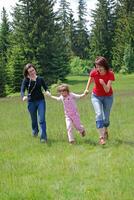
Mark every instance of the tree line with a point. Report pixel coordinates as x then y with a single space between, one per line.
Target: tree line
51 39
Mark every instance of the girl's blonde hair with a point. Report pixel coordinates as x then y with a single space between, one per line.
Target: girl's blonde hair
63 87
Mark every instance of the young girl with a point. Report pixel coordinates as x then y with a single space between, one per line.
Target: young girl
102 95
72 117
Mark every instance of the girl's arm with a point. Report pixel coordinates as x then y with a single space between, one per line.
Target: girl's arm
56 98
78 96
53 97
106 86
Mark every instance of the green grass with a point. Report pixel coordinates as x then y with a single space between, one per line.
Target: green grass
59 171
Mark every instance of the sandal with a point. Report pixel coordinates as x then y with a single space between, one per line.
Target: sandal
102 141
72 142
83 133
106 135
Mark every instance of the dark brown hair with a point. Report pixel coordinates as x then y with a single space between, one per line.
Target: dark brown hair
63 87
25 70
102 62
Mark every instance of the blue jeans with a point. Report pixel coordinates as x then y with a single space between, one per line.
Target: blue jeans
102 106
39 106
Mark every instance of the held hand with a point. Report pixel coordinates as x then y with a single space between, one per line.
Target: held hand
86 92
101 81
24 98
48 93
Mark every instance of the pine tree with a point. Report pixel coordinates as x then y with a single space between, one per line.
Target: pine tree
82 37
103 29
64 13
35 37
4 45
64 16
51 51
20 51
73 33
124 35
129 58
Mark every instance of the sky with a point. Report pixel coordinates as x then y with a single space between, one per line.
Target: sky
8 4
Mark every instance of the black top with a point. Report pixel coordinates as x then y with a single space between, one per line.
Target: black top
34 88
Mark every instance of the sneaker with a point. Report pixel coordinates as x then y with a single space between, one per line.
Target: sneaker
106 135
43 141
83 133
102 141
72 142
35 135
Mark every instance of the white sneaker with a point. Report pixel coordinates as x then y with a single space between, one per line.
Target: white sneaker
43 141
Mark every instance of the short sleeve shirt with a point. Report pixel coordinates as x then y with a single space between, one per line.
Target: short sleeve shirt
98 88
69 103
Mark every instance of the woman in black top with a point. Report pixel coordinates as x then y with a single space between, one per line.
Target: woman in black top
36 102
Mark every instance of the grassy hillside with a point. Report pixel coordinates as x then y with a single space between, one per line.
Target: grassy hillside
59 171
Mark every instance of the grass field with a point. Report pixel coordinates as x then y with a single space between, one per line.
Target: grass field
59 171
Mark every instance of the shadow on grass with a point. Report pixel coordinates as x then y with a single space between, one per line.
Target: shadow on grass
51 142
124 93
91 142
74 82
127 142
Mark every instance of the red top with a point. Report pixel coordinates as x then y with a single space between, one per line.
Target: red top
98 88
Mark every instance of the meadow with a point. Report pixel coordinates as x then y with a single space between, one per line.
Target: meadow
30 170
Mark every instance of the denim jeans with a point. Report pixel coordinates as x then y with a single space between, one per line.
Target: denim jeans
40 107
102 106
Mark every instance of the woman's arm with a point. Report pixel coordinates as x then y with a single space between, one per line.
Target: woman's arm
79 96
23 87
106 86
90 80
44 84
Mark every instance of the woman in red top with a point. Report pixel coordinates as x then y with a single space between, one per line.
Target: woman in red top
102 95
